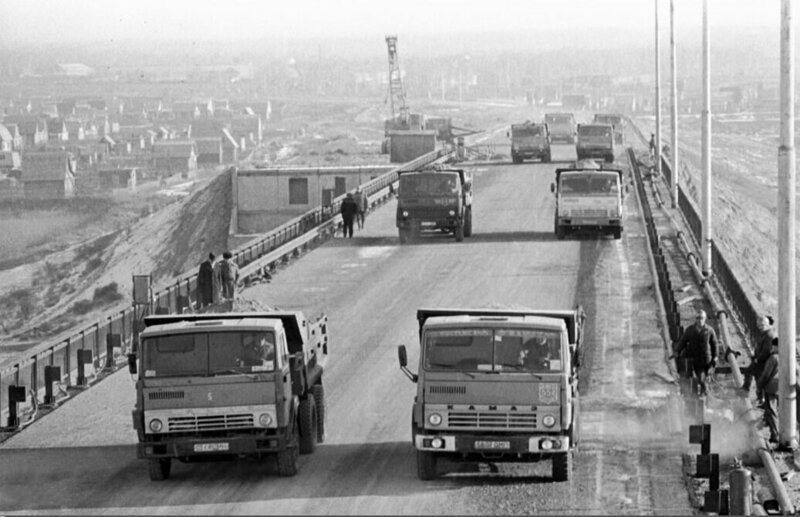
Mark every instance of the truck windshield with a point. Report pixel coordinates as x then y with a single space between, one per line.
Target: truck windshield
596 131
559 119
590 184
493 350
528 131
206 354
428 184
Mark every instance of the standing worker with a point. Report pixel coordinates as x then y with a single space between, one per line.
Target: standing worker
349 210
652 146
699 343
363 204
761 351
229 274
768 384
205 282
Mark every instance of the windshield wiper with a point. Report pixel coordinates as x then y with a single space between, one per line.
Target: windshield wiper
236 372
519 368
451 367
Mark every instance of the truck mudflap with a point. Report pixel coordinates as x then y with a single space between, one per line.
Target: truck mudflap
182 447
490 445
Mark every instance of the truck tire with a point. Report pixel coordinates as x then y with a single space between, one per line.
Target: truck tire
459 233
560 233
318 391
617 233
308 425
404 235
159 468
287 458
610 158
546 157
562 466
468 223
516 159
426 465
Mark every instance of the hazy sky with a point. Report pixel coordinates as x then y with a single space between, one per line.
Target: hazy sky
148 20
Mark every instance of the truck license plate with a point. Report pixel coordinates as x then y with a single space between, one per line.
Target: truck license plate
492 444
211 447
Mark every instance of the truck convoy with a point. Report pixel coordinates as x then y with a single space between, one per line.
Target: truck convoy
588 198
561 126
434 199
616 122
496 386
596 141
218 385
529 140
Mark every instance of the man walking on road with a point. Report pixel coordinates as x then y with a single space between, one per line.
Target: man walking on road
349 210
205 282
363 204
768 385
699 343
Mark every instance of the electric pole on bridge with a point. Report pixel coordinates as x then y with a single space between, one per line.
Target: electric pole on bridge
787 187
674 106
706 139
657 154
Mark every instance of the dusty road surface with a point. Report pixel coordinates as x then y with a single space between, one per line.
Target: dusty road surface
80 459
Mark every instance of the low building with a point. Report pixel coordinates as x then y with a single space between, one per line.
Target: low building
48 174
112 179
175 156
209 150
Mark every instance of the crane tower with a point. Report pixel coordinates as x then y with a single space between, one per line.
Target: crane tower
397 92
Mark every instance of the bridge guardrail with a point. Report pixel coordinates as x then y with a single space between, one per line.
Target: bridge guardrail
117 327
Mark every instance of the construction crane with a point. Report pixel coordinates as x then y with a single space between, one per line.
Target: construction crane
397 92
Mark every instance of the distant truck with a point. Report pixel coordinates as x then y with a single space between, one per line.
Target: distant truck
616 121
529 140
496 386
218 385
434 199
588 198
561 126
596 141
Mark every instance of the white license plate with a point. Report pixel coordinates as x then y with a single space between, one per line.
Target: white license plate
211 447
491 444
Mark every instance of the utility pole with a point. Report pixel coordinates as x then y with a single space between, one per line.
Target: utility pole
706 139
658 95
674 112
787 186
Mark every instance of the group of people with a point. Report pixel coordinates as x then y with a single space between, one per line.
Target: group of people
217 279
354 208
699 344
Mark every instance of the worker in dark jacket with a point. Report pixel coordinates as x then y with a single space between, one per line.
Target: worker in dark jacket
205 282
699 343
349 210
768 384
761 351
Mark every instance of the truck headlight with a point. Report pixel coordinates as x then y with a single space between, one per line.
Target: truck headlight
405 213
264 419
435 419
452 213
156 425
546 444
437 443
549 420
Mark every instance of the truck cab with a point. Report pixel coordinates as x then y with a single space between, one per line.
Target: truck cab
226 385
496 386
434 199
588 198
561 126
616 121
529 140
596 141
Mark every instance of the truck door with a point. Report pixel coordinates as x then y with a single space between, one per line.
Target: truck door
284 388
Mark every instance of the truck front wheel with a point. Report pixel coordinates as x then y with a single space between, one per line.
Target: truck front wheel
159 468
460 232
560 232
287 458
515 158
308 426
546 157
468 223
318 391
404 235
617 233
426 465
562 466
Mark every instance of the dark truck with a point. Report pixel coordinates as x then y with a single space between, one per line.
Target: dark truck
596 141
529 140
496 386
616 122
218 385
434 199
561 127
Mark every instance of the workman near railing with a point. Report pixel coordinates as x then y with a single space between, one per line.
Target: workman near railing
768 384
699 343
761 351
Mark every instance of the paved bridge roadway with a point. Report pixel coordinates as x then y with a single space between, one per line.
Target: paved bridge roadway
81 458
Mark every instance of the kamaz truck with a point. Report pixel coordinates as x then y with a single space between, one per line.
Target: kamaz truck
588 198
496 386
529 140
616 121
434 199
561 126
596 141
223 385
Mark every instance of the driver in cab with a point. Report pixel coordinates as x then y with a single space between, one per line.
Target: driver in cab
535 354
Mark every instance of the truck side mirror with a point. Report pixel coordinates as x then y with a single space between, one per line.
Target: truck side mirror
402 356
132 363
553 188
508 134
467 186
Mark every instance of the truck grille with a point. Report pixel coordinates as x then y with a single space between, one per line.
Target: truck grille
491 420
447 390
210 422
589 212
165 395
